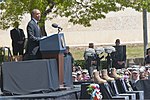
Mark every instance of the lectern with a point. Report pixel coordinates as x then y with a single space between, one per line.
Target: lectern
53 47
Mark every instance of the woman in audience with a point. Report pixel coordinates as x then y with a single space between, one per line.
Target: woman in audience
143 73
142 76
127 74
85 75
79 76
74 69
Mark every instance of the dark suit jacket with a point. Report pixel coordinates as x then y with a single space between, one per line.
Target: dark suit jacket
34 35
119 55
16 36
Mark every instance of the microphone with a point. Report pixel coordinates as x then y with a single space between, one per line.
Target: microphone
56 26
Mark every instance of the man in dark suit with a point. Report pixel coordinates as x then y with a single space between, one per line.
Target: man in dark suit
68 53
34 35
119 57
18 39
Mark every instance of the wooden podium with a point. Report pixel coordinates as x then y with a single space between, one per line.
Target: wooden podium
53 47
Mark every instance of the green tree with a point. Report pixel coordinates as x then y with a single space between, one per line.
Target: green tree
77 11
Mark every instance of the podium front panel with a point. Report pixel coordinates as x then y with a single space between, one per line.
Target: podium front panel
53 44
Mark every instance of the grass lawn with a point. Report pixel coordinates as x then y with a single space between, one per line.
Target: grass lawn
135 51
132 51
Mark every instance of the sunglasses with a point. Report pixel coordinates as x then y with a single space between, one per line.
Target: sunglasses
126 74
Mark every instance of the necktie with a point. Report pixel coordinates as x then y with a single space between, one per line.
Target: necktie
39 30
18 33
38 25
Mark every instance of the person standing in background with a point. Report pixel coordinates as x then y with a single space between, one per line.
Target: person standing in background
68 53
34 36
119 57
18 38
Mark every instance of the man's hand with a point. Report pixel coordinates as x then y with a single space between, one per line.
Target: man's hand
20 42
120 62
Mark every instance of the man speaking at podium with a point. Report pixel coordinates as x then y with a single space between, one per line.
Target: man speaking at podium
34 35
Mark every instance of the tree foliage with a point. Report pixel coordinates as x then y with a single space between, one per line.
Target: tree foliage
77 11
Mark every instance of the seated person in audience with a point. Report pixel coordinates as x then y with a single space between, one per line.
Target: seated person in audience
135 78
74 76
79 68
142 76
147 72
147 58
127 74
85 75
79 76
74 68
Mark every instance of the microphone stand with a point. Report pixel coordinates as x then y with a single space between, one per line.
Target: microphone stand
59 30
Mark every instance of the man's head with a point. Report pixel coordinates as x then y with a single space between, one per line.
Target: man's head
16 24
148 51
67 49
117 42
36 14
135 74
91 45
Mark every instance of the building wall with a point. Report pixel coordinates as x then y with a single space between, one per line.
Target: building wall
126 25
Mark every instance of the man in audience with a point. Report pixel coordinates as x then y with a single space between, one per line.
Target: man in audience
135 78
68 53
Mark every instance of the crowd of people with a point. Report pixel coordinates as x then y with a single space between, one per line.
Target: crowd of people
79 74
131 73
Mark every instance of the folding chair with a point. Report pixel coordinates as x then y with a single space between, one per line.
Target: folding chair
122 87
107 93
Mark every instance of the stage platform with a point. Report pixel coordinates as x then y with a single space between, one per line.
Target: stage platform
68 94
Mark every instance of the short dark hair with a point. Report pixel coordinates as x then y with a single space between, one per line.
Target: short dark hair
33 11
117 41
67 47
91 45
147 51
16 24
